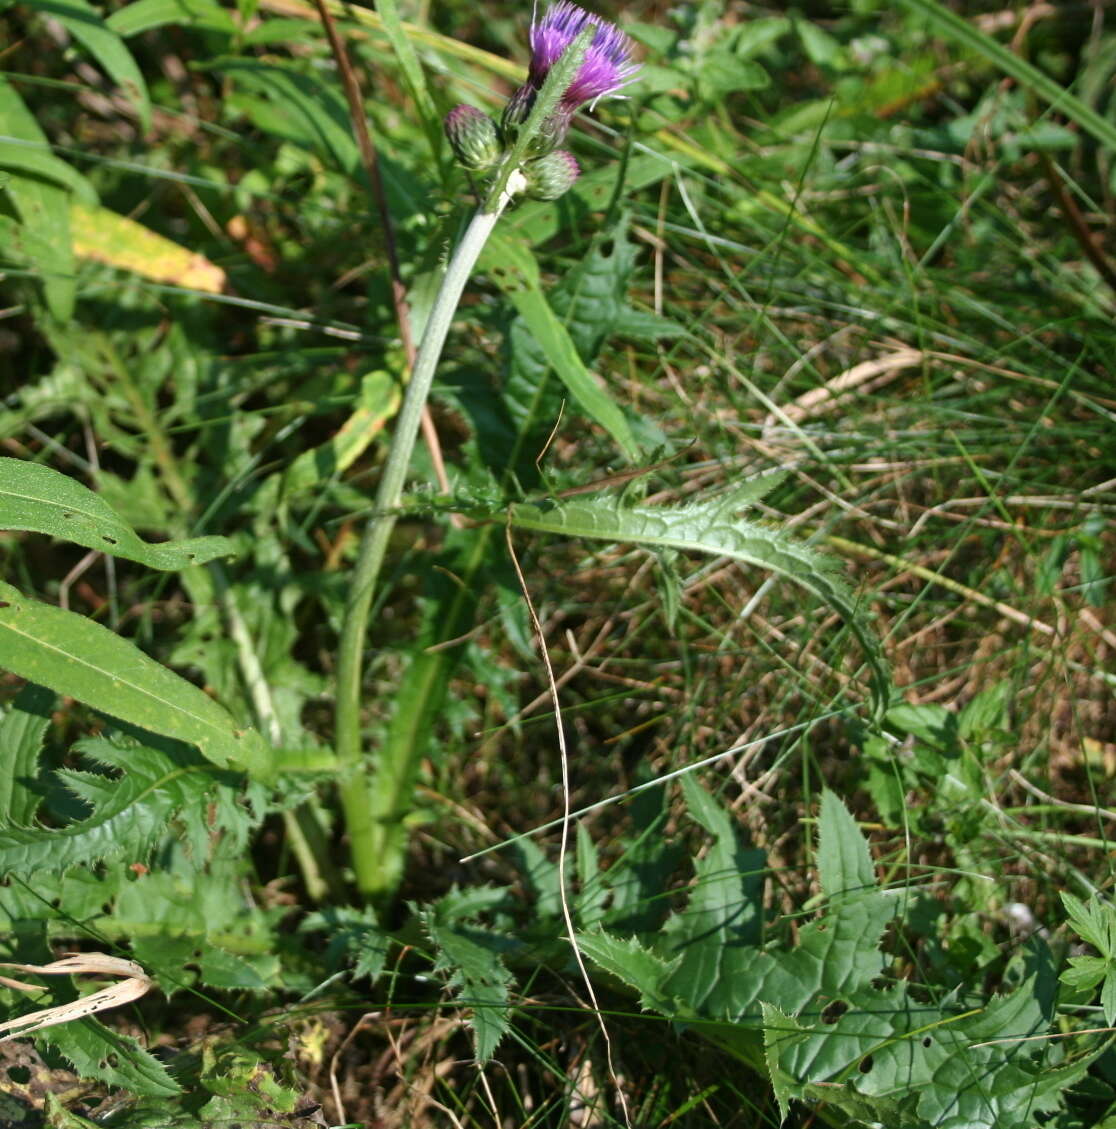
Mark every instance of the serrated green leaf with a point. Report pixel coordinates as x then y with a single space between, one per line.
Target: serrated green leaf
39 499
86 25
833 1033
1089 921
353 935
1084 972
101 1055
779 1031
844 865
130 812
540 876
222 969
74 656
632 964
477 971
710 527
723 918
592 892
21 737
1108 994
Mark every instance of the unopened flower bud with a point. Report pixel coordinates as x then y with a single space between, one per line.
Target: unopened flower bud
551 176
552 132
473 138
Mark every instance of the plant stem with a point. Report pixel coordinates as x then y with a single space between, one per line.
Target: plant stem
355 799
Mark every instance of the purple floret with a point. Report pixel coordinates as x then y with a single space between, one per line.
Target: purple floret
607 66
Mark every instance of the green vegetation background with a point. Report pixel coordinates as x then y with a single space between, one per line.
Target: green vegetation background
868 246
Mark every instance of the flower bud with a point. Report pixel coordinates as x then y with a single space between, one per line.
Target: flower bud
552 132
473 138
551 176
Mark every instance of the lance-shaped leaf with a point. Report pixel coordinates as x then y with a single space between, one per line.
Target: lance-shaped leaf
41 500
712 527
74 656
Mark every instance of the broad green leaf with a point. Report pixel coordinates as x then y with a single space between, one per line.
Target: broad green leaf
516 271
74 656
42 500
21 737
221 969
129 813
711 527
144 15
835 1032
87 26
844 865
723 917
117 241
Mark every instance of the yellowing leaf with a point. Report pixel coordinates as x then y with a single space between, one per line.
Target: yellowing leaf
117 241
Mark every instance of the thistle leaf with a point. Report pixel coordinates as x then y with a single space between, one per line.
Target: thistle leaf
710 527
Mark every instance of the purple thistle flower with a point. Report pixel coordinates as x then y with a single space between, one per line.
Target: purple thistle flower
607 66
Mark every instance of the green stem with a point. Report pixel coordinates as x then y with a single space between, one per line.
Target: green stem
364 843
355 799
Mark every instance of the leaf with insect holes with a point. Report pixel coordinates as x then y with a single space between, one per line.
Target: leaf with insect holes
103 1055
39 499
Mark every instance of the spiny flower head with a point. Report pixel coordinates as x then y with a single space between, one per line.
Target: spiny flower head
607 66
473 138
551 176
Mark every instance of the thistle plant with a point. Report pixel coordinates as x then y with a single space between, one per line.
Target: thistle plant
576 58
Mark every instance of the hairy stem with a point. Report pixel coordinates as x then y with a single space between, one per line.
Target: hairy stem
365 843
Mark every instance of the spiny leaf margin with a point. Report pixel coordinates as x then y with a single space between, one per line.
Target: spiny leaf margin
711 527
